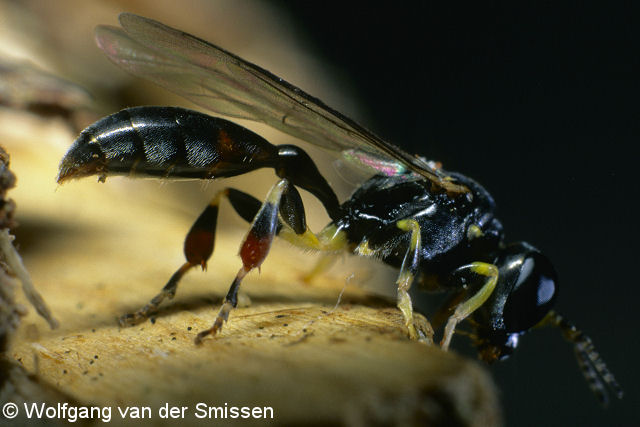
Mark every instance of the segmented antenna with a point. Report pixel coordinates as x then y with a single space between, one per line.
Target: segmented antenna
591 364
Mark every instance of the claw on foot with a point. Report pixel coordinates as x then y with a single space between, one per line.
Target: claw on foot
132 319
222 317
420 329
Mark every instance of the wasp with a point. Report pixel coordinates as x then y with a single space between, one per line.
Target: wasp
436 226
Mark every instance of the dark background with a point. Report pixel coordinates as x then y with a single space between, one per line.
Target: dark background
539 104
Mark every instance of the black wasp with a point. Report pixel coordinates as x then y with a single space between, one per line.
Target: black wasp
437 227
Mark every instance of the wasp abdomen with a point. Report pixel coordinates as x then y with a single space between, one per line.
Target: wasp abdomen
165 141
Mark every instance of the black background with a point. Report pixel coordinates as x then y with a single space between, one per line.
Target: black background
539 104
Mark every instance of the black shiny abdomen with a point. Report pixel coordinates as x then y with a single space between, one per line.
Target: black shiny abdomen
169 141
175 142
372 212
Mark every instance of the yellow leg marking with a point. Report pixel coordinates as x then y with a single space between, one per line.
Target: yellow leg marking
405 305
473 232
408 271
306 240
413 226
330 239
363 249
463 310
323 264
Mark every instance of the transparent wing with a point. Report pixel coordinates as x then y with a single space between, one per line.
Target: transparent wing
226 84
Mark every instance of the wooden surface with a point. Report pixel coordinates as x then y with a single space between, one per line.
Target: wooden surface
97 251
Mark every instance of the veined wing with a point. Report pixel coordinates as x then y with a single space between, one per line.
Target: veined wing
226 84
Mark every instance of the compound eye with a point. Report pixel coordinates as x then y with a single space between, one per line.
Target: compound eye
533 293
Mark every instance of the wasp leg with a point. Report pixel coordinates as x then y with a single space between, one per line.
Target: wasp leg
293 226
291 208
408 272
168 291
198 247
323 264
253 252
463 310
199 242
284 199
329 240
443 313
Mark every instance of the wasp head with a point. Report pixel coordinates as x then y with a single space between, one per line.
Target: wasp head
523 298
524 295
